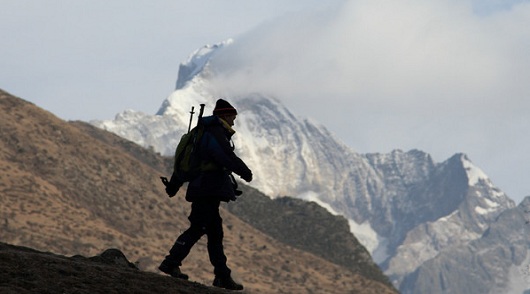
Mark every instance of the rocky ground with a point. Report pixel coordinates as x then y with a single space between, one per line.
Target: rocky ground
25 270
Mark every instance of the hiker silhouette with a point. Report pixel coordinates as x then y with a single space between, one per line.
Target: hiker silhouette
206 191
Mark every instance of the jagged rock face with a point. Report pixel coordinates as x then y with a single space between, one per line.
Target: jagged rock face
408 210
498 262
455 213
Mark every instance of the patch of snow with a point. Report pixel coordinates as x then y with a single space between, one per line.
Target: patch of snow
490 203
483 211
474 174
447 217
375 244
312 196
480 210
490 207
497 193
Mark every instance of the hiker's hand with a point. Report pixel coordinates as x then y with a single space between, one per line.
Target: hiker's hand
247 176
171 187
171 190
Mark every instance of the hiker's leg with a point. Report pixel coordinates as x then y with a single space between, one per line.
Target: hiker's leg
186 240
214 231
222 278
182 246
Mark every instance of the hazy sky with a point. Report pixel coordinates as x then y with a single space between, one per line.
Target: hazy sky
440 76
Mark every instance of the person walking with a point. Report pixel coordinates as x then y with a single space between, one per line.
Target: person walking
206 191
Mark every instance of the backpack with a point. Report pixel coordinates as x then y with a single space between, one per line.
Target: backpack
187 163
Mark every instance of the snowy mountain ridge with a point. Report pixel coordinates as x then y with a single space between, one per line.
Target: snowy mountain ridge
405 208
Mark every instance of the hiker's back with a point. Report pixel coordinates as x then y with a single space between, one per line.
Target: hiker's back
213 181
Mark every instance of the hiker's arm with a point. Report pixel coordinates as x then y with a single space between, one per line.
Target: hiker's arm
220 151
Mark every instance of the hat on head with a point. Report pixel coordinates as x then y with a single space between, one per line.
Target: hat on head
222 107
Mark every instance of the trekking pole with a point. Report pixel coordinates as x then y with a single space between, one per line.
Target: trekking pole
199 122
200 113
191 118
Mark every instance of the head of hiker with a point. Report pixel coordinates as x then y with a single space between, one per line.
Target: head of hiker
225 111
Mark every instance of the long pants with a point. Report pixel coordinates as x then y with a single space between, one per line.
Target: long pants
204 219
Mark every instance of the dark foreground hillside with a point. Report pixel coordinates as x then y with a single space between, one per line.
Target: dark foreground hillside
25 270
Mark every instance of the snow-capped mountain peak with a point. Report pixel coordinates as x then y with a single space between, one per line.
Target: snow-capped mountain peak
197 61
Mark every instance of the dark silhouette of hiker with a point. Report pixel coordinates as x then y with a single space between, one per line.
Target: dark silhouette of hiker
206 191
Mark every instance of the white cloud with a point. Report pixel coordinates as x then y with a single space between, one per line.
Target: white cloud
436 75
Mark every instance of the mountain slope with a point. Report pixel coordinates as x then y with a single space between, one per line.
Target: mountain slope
309 227
72 189
404 207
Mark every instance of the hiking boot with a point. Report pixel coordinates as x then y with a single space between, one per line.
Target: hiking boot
227 283
172 271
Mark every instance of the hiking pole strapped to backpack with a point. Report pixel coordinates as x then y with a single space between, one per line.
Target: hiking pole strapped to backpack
191 118
201 111
184 168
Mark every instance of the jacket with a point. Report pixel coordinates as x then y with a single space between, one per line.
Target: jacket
215 147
